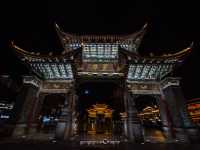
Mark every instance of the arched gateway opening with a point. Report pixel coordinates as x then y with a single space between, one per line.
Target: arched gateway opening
99 106
50 113
149 114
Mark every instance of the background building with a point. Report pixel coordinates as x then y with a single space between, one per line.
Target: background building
193 107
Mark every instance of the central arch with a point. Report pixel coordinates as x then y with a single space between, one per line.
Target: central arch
97 93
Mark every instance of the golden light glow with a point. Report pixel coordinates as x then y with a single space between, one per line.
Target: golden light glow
100 109
194 111
124 115
150 113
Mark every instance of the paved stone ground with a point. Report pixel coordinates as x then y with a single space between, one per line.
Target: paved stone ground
41 142
69 146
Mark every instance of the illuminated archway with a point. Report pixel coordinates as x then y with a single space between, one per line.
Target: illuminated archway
149 113
99 106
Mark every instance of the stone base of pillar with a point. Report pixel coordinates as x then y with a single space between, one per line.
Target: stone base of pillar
60 130
181 135
193 134
168 133
135 133
20 130
138 133
32 129
63 131
125 129
68 131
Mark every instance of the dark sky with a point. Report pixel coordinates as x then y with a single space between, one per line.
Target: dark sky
172 27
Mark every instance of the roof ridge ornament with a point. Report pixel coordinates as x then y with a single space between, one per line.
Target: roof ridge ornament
35 55
145 25
11 43
132 41
180 55
192 44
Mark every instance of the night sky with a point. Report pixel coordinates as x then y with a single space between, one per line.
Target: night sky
172 27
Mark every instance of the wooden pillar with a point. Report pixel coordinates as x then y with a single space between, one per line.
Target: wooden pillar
125 131
39 106
181 122
62 121
64 125
134 127
27 101
165 117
